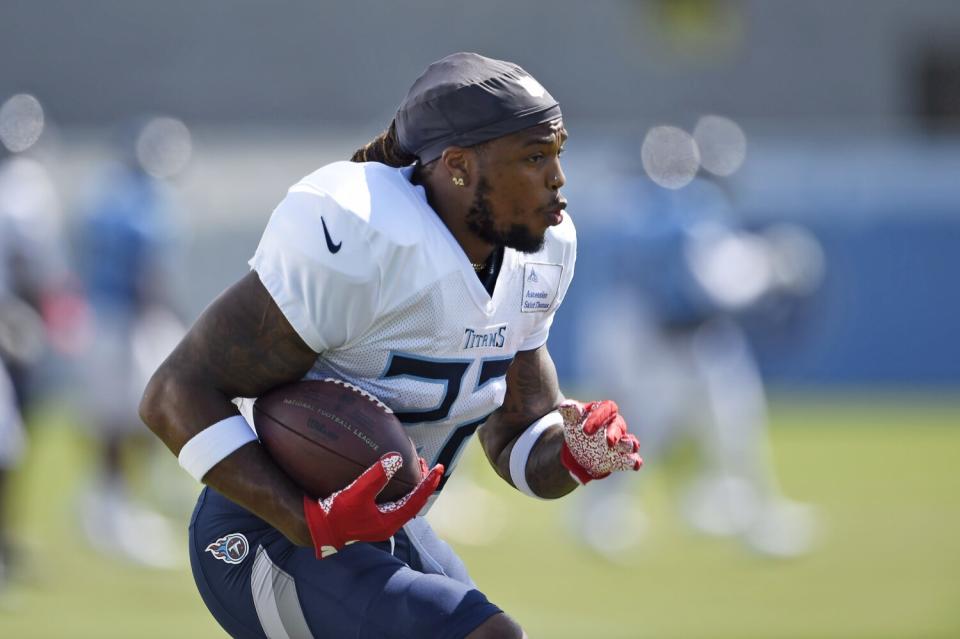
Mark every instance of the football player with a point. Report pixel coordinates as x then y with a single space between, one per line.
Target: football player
32 274
427 272
126 236
11 452
691 279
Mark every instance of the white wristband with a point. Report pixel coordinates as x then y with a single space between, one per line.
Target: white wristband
208 447
521 450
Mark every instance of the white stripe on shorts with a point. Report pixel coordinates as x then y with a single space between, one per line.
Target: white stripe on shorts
276 601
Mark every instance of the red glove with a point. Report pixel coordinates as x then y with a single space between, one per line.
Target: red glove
352 514
596 441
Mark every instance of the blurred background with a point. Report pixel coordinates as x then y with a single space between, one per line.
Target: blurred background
768 207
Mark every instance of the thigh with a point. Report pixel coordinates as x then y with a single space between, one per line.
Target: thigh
221 537
108 376
11 427
420 547
275 589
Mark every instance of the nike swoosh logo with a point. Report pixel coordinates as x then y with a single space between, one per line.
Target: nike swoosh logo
326 234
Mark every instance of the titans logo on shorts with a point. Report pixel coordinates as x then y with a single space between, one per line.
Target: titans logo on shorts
411 587
232 549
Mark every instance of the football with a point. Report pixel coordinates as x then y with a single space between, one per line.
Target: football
325 433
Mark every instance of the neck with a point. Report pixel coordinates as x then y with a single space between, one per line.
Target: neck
451 208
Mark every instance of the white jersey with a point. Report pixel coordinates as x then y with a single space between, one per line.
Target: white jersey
370 277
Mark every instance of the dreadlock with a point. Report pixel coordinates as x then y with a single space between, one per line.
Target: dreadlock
385 148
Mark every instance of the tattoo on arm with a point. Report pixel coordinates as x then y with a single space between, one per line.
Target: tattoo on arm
241 346
532 388
532 392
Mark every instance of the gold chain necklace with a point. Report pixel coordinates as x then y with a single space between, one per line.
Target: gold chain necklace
489 266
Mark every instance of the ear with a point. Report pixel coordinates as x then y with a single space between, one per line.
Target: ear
459 163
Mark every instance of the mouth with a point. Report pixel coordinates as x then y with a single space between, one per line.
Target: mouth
554 211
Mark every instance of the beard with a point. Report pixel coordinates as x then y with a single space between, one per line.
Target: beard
480 222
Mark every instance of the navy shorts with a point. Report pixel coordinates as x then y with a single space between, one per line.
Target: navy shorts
257 584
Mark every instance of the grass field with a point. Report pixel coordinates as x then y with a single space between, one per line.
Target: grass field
885 477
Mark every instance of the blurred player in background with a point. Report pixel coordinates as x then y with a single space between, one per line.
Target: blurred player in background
11 450
37 302
684 276
125 245
427 272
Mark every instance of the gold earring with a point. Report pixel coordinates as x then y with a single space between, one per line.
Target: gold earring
458 181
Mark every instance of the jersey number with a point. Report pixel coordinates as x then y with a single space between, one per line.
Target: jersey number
448 372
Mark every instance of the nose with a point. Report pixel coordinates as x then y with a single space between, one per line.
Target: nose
557 179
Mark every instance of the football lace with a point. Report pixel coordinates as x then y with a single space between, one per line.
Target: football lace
370 396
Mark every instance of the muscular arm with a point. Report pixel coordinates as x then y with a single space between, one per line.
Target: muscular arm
532 392
241 346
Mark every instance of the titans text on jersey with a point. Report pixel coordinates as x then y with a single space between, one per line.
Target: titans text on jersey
481 339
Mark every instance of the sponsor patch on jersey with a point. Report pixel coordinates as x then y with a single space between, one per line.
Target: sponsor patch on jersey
232 548
541 283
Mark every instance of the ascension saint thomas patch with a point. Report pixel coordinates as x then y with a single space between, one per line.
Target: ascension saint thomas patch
541 283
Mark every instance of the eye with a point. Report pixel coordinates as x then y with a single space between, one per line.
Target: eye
536 157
